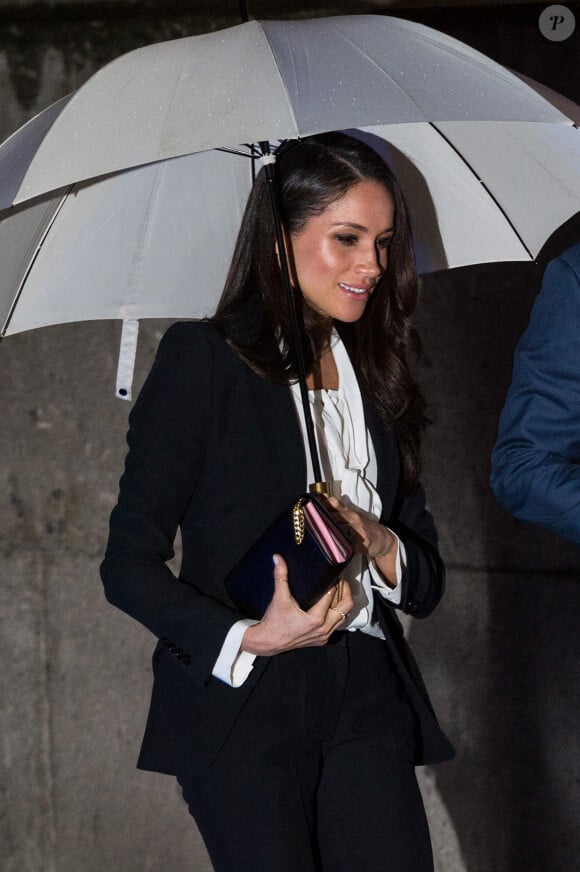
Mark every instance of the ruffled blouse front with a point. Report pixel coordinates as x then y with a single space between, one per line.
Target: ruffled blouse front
349 464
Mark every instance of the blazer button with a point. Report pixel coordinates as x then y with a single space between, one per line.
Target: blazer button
412 606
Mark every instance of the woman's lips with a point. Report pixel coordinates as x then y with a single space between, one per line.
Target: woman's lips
358 291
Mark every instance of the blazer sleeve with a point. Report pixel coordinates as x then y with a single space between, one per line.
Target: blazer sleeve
168 432
423 581
535 473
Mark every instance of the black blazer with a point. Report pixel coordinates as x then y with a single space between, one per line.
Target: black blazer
216 450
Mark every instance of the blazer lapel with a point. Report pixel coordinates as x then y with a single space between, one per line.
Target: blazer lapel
280 435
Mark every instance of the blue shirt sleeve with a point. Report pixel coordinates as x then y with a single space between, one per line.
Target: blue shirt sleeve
535 461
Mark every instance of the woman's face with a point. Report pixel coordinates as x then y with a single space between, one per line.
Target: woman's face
340 254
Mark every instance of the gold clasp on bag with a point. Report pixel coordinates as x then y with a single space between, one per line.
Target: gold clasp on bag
298 521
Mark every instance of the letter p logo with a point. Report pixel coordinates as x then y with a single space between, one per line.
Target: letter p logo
557 23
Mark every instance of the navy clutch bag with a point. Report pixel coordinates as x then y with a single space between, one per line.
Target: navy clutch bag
314 547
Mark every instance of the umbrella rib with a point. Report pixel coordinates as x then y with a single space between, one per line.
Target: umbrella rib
32 262
237 151
482 183
384 71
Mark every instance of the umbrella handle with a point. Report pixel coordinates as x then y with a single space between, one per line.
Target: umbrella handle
319 485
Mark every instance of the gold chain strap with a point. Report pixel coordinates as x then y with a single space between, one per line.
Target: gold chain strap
298 521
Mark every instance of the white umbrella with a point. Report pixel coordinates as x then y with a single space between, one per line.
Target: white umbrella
489 167
156 241
258 81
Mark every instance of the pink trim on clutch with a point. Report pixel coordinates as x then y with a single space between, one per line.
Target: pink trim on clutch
326 538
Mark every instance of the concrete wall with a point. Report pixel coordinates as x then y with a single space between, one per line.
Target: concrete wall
500 655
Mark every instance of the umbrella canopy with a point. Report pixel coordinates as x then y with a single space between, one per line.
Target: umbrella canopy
156 241
490 168
258 81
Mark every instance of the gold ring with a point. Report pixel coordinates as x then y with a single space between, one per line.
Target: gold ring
344 615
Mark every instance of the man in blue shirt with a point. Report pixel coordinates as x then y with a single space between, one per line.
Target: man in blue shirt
536 459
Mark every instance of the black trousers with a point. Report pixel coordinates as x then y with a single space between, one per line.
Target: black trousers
317 774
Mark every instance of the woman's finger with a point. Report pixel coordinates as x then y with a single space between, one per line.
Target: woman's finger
346 602
336 593
280 568
281 586
342 602
333 596
342 615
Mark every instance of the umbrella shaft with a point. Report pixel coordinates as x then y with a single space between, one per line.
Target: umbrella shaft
296 337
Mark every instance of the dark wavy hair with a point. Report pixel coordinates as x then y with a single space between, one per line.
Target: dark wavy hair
252 312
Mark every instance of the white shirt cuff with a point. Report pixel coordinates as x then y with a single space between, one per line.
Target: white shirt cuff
232 665
393 594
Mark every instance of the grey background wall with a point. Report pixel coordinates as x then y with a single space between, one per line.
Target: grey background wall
502 653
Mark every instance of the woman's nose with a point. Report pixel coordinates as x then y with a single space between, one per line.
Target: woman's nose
369 263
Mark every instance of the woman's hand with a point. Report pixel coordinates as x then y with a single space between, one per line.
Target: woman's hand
286 626
371 538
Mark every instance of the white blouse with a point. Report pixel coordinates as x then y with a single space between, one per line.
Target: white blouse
349 464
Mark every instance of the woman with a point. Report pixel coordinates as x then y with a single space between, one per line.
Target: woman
295 738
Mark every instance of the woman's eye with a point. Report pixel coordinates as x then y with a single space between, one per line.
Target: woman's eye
384 242
346 238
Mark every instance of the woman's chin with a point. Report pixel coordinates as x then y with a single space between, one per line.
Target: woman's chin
352 313
347 312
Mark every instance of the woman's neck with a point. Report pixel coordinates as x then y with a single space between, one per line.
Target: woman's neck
324 373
